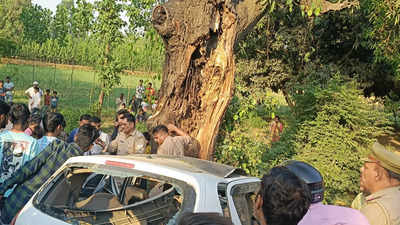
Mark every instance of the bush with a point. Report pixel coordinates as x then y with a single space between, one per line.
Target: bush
336 135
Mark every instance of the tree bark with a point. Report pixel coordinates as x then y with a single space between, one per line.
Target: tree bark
197 85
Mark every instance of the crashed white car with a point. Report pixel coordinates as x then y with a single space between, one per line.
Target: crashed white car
139 189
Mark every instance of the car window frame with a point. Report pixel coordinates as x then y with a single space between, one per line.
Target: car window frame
188 191
231 204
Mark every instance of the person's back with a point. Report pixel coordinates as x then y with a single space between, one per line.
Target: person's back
16 148
53 124
320 214
31 176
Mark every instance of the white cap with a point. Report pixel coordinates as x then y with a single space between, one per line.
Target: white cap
35 83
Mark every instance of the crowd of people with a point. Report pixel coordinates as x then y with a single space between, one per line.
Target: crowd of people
34 145
141 104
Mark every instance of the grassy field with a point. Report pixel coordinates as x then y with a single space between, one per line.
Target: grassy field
77 89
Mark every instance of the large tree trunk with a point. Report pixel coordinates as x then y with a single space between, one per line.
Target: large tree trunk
197 84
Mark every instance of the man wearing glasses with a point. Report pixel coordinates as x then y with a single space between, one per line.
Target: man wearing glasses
380 182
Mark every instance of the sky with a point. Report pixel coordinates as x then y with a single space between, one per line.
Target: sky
50 4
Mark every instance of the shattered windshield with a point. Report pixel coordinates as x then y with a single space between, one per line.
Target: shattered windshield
110 195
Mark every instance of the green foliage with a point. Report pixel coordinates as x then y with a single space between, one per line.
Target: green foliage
243 139
334 135
109 75
109 23
72 116
392 106
61 25
7 47
139 14
240 150
384 29
10 25
83 18
36 23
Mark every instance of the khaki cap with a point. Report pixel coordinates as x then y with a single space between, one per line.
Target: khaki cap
387 159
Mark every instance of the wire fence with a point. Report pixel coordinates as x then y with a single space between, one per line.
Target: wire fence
77 86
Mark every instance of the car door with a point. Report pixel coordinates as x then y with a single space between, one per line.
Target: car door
241 195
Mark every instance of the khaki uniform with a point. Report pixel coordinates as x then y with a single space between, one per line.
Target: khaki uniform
134 143
174 145
358 202
383 207
179 146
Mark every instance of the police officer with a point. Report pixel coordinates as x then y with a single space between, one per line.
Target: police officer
380 184
318 213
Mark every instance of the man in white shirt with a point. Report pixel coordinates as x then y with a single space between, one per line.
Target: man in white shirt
34 101
31 91
9 86
119 101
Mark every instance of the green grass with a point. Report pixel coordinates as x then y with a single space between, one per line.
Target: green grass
77 89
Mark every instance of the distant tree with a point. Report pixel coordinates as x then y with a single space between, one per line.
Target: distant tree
10 25
61 26
139 14
83 18
36 23
383 31
108 33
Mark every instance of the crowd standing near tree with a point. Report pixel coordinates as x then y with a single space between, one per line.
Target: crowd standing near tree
323 83
290 194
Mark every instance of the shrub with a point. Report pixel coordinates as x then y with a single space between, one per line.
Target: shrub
336 135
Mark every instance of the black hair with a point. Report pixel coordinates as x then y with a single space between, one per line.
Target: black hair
36 88
147 136
37 132
159 128
286 198
204 219
19 114
86 135
4 108
95 119
7 77
85 117
150 84
54 92
34 118
52 120
129 117
122 111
